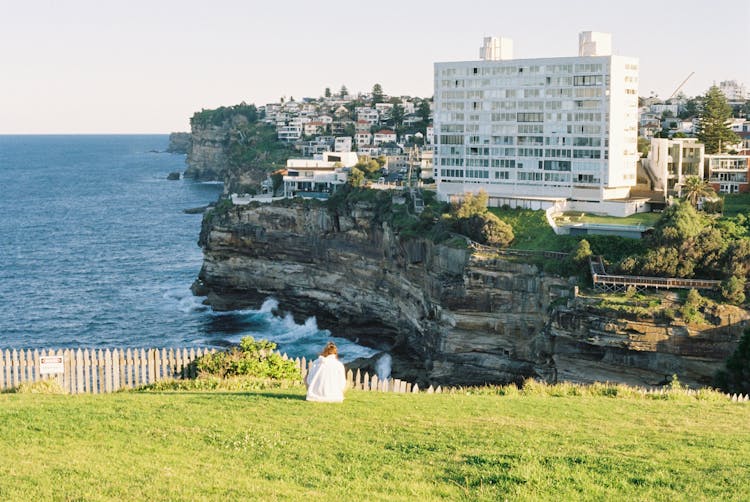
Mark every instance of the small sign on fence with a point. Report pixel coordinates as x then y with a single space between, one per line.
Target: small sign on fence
51 365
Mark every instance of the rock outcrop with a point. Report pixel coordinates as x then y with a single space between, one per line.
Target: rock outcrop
207 158
455 316
179 142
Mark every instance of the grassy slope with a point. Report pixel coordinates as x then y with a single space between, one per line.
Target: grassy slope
273 445
530 229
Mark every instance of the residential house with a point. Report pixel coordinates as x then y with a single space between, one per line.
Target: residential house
314 128
343 144
289 133
670 161
426 165
384 136
369 150
362 126
317 178
362 139
368 115
728 173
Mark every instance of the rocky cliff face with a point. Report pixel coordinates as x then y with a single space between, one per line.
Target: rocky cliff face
207 158
448 316
179 142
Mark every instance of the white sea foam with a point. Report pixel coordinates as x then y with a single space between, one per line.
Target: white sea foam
185 300
296 339
383 366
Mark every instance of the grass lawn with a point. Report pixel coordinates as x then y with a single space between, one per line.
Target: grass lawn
530 229
273 445
645 219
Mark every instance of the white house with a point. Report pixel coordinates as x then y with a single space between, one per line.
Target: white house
384 136
670 161
289 133
363 138
342 144
317 178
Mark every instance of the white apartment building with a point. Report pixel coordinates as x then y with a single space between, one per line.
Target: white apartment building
531 132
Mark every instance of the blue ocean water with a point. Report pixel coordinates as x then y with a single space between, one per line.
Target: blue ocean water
95 251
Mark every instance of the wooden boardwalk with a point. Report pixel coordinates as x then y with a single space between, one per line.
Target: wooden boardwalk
606 282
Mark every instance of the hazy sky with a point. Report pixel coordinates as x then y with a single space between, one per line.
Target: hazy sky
102 66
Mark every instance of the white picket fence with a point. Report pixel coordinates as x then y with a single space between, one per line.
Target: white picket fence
98 371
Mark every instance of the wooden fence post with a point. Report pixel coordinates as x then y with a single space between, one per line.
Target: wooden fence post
121 362
115 370
79 371
87 371
143 367
108 371
14 363
100 366
37 367
8 370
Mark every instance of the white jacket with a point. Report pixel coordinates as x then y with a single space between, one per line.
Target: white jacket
326 380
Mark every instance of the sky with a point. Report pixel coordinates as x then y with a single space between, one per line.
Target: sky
108 66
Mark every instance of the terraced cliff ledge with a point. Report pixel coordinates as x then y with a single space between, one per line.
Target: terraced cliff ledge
448 315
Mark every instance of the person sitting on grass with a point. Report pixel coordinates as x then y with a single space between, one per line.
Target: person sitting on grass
326 380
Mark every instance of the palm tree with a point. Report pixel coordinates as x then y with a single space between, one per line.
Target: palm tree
694 188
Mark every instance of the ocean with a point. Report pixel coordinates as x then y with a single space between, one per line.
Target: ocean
96 252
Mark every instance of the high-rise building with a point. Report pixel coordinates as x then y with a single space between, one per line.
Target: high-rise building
538 129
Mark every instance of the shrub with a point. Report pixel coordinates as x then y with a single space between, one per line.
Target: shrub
582 252
733 290
49 386
251 358
214 383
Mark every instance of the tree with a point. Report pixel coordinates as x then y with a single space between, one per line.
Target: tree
694 188
735 379
473 205
356 177
713 128
644 146
690 109
327 92
733 290
582 252
423 111
344 92
377 94
397 115
495 231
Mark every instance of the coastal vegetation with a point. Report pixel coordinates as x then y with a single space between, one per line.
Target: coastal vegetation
540 442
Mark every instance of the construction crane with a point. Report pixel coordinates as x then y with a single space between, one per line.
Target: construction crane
680 86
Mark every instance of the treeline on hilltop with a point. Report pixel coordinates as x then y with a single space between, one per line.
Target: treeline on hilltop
218 116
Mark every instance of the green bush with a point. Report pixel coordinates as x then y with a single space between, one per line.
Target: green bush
214 383
251 358
49 386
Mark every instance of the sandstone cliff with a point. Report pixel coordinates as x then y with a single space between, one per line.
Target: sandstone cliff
207 158
447 315
179 142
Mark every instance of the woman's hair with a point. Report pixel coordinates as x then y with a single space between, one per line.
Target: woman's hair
329 349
